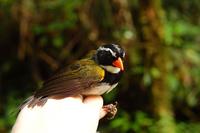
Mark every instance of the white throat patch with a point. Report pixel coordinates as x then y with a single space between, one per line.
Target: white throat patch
111 69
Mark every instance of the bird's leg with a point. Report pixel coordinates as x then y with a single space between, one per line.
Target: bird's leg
111 110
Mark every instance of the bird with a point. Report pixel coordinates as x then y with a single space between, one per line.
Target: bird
98 73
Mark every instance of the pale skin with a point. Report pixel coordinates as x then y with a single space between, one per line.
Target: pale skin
68 115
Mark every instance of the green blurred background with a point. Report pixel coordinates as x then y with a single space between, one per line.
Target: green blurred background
160 90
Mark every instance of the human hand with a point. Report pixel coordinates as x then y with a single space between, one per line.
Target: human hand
70 115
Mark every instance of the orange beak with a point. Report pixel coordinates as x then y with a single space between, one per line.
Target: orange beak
118 63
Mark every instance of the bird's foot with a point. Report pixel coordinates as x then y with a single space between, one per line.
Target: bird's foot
111 110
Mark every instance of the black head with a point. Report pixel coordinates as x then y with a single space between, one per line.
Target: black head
110 56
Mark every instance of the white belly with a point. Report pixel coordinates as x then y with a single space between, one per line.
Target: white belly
99 90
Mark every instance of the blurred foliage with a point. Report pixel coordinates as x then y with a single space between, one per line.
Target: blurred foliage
160 90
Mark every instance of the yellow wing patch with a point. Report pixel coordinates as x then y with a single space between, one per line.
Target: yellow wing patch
101 73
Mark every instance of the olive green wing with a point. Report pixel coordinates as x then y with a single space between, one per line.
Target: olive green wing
72 80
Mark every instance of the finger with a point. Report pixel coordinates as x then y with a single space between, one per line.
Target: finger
78 98
62 103
94 101
103 113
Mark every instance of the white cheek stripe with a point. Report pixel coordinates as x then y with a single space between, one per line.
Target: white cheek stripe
116 46
111 69
108 49
118 49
